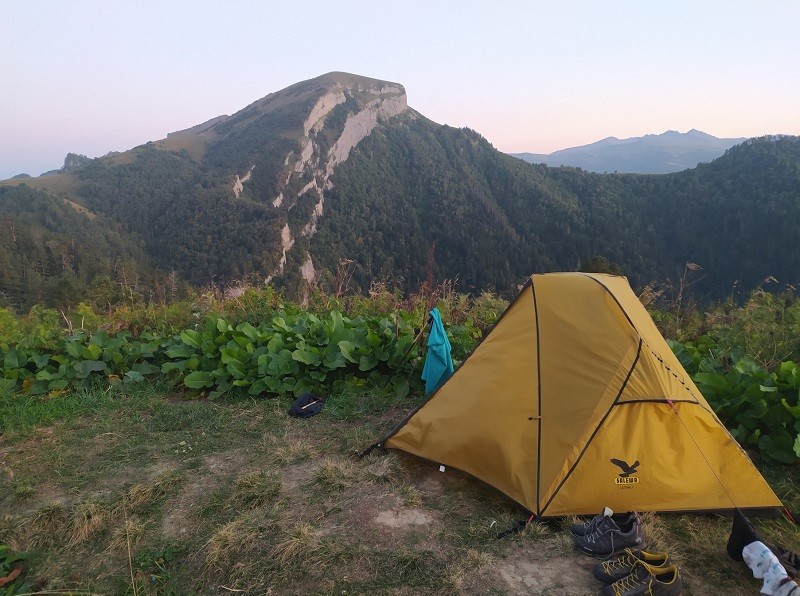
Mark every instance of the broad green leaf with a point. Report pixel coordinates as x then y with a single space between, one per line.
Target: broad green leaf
198 379
133 376
373 339
716 382
86 367
15 359
349 351
244 342
35 387
100 339
236 369
793 410
401 387
144 368
257 387
797 446
7 386
180 351
759 409
287 386
302 386
780 446
248 330
276 344
40 360
192 338
169 367
280 323
74 349
367 362
57 384
334 359
787 370
192 363
92 352
233 355
263 362
306 357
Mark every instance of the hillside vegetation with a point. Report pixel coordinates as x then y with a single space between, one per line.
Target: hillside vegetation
257 195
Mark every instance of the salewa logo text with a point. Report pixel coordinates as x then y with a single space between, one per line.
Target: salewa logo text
626 475
626 480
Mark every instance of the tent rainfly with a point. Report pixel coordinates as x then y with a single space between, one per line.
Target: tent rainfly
573 402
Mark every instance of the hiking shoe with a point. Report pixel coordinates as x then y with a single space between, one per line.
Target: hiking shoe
584 528
614 570
647 580
611 539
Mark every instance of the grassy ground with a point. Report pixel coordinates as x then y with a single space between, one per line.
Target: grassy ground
140 492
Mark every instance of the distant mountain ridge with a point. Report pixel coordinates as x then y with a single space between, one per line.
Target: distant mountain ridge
338 178
664 153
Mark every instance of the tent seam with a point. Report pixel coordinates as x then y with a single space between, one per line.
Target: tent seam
539 398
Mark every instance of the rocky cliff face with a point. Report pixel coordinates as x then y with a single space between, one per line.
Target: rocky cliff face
347 110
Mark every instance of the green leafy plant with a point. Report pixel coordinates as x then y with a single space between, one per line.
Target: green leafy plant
11 572
760 407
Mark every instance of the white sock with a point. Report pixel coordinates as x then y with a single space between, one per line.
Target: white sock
766 565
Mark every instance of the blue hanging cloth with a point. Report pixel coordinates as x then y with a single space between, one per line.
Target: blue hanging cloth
438 362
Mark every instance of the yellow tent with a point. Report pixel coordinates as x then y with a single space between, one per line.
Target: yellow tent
574 402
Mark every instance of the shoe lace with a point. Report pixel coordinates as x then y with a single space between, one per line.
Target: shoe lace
629 582
592 524
624 562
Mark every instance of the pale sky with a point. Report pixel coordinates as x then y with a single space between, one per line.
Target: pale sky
93 76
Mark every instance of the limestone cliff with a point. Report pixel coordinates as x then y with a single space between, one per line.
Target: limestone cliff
347 109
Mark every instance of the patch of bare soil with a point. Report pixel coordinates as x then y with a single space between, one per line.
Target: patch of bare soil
402 518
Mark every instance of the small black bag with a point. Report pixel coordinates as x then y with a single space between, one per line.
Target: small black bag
306 406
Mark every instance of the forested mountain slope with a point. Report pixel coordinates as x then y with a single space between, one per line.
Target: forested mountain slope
340 169
493 219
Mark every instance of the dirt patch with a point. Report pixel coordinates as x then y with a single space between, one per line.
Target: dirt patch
401 518
542 573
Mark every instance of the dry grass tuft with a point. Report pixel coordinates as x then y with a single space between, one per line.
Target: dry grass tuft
138 496
11 533
88 518
130 532
455 575
291 452
383 469
335 476
476 559
143 495
48 527
410 494
234 537
238 539
299 546
256 489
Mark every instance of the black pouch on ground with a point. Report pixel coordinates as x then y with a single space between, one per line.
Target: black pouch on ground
743 533
306 406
